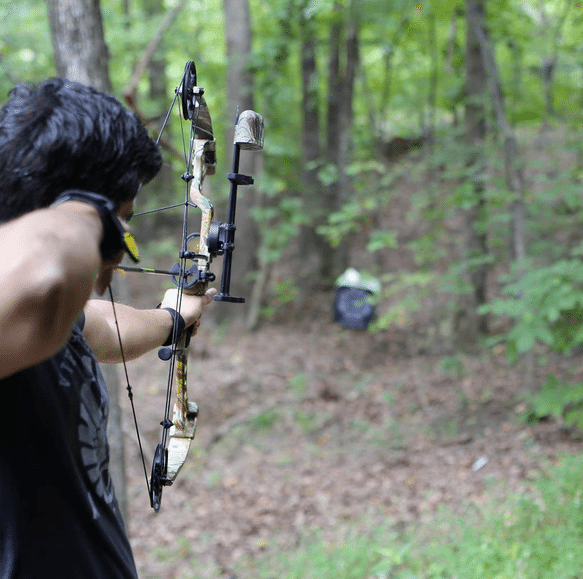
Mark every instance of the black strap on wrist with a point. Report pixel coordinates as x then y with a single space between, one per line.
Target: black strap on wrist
181 326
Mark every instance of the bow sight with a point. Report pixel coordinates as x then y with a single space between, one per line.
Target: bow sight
248 136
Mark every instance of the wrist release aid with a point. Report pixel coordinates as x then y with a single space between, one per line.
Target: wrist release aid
179 325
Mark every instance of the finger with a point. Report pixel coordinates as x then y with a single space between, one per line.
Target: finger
209 294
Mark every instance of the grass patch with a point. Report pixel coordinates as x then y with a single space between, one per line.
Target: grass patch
310 422
535 534
348 557
266 419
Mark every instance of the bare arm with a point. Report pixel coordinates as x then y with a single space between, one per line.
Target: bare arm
140 330
49 263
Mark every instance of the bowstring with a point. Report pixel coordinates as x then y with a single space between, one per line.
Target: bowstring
129 388
167 117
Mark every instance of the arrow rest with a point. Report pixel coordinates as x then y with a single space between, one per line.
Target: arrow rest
193 275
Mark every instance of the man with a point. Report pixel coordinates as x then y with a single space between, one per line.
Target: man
72 159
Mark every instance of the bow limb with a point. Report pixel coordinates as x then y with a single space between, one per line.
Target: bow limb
185 412
204 162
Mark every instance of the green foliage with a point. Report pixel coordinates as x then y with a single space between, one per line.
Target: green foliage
25 44
371 185
310 422
405 292
349 219
380 240
280 219
561 400
545 305
454 365
284 291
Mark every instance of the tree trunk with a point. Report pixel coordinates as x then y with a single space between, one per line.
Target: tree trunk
345 124
322 262
514 173
343 60
81 55
168 184
311 156
513 167
549 61
78 42
238 34
469 324
158 82
330 199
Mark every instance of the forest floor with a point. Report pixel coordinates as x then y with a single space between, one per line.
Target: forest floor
309 426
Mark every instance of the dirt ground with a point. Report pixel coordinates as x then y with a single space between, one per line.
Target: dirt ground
308 426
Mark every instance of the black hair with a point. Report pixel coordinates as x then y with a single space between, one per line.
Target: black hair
63 135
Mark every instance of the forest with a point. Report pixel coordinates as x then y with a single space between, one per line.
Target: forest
437 148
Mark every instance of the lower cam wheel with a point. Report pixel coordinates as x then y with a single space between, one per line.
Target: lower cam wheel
159 470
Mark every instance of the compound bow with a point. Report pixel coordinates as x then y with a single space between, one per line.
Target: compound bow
214 239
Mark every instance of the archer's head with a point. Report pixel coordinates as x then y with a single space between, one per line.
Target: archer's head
63 135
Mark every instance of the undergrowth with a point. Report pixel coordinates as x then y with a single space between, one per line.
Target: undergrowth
535 534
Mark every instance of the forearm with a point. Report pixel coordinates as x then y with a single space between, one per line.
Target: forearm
140 330
50 260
